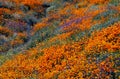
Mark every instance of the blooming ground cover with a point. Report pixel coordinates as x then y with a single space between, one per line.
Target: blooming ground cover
59 39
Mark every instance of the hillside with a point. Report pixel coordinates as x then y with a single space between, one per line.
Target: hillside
59 39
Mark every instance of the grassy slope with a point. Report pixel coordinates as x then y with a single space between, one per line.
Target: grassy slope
76 40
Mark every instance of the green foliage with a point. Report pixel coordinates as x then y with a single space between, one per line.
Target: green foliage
115 2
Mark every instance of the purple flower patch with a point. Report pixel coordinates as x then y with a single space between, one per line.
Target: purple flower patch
16 26
78 20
